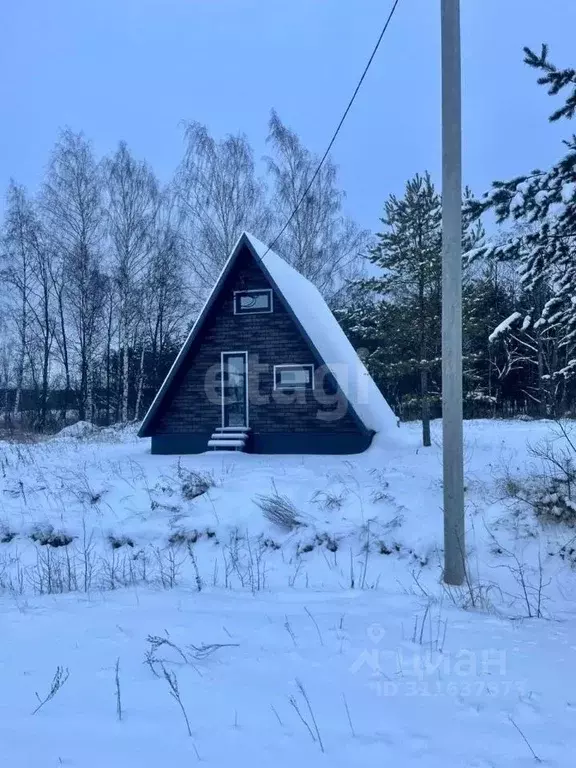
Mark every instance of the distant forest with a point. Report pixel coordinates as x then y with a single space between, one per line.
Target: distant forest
103 272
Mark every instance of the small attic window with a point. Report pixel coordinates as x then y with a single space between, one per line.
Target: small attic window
293 377
252 302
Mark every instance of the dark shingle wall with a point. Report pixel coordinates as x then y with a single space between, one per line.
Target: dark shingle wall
269 339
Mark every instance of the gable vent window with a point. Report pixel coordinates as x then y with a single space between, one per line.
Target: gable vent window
293 377
252 302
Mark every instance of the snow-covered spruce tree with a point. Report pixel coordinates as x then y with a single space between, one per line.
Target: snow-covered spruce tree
543 204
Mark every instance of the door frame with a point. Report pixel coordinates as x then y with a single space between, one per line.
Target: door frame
244 353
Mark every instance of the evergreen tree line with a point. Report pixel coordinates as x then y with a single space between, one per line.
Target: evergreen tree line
103 271
519 292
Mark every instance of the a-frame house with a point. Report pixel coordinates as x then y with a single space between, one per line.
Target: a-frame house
267 369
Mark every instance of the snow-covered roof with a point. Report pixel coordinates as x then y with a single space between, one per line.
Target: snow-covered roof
319 324
310 308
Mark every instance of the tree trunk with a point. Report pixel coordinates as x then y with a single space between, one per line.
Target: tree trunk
541 387
65 358
89 393
83 389
22 355
425 403
125 378
45 369
17 399
426 441
140 386
118 407
108 361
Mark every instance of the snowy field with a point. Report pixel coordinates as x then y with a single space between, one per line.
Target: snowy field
187 627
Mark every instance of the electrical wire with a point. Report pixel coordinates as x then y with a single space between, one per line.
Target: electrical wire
339 126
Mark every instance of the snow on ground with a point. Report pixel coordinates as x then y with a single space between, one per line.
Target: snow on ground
102 547
370 520
410 704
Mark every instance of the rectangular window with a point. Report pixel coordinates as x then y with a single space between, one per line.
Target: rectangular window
293 377
252 302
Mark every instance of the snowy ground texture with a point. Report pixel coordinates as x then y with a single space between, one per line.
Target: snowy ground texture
152 614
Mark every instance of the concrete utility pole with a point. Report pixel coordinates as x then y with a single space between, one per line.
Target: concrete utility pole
454 526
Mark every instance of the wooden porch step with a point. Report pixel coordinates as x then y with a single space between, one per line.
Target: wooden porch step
230 444
229 436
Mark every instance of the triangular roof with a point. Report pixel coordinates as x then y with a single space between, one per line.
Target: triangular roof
318 324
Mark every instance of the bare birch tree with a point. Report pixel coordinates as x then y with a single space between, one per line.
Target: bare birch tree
6 354
168 301
319 240
17 275
132 204
219 195
41 309
71 203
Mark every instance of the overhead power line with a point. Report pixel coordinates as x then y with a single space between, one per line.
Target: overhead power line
339 126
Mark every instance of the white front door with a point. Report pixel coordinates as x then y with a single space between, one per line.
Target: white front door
234 376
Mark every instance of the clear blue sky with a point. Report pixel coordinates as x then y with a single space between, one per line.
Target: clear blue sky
133 69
